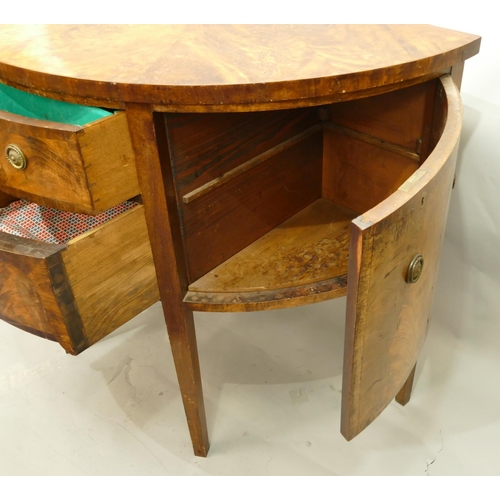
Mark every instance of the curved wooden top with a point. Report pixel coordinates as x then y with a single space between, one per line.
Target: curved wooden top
222 67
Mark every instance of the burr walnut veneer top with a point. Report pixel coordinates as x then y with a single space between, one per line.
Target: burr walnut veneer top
223 67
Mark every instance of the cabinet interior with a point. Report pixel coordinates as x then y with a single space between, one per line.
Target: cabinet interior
266 198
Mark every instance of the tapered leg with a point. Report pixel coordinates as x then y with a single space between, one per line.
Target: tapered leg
404 394
149 141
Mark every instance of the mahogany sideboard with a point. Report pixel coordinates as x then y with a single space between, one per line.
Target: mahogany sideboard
271 166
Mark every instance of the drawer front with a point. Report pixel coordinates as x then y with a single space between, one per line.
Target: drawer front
85 169
389 292
80 292
27 299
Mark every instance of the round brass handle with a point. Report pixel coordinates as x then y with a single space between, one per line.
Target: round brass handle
16 157
415 269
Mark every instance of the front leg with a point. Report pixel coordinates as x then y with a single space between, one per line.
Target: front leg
149 141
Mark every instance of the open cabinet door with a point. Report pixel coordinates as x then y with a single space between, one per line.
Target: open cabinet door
388 303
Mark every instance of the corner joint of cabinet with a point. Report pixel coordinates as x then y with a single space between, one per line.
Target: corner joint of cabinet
363 222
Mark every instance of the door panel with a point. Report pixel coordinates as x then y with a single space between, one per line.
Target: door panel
387 317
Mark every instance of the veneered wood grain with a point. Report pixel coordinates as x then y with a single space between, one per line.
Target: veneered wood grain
203 147
253 162
386 317
53 174
149 140
112 274
81 169
222 65
266 300
303 260
225 220
27 297
311 246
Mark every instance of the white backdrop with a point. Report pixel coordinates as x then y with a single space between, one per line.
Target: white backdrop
468 294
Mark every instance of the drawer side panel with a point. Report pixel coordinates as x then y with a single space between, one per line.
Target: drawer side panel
111 273
109 161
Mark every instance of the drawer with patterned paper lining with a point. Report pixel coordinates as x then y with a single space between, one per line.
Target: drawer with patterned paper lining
74 278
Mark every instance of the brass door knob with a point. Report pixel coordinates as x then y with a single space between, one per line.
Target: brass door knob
415 269
15 157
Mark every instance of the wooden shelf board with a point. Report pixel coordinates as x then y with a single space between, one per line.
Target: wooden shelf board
303 260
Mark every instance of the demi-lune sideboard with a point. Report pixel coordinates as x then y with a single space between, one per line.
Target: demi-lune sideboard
230 168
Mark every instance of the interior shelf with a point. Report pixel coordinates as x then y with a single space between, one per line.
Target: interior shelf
301 261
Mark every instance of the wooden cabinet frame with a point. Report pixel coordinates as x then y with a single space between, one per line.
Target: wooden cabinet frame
328 152
387 317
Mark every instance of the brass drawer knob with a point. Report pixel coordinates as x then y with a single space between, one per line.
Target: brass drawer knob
415 269
15 157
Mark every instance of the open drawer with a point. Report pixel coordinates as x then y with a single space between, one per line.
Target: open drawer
63 155
78 292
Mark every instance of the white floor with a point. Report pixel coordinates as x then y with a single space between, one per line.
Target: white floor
272 386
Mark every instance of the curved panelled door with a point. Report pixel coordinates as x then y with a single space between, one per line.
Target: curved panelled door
393 265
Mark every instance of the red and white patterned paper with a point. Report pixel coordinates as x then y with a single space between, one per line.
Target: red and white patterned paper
35 222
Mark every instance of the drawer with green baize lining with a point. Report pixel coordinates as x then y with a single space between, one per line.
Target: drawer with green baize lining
63 155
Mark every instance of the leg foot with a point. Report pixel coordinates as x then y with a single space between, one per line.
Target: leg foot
404 394
185 353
